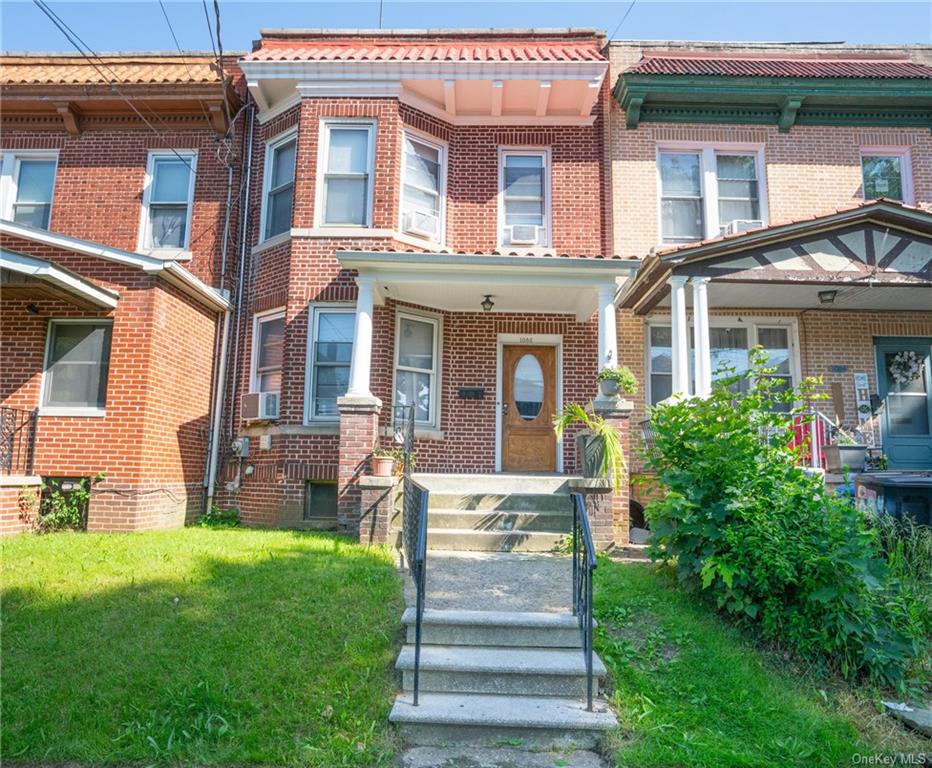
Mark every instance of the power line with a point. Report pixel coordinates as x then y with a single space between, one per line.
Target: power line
77 42
615 32
210 30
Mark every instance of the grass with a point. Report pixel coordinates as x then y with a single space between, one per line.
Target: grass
690 690
198 646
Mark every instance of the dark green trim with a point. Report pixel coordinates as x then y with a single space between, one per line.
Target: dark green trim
784 102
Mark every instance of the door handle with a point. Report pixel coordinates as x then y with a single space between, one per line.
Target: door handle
504 409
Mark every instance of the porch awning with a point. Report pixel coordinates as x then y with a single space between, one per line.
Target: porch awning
873 256
458 282
28 275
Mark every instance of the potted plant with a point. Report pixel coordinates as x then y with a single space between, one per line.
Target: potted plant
613 381
599 447
383 462
845 453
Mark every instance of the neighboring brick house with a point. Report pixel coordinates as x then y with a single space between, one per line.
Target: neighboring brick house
473 224
113 206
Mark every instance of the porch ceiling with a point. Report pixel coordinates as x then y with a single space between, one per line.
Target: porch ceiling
459 282
27 276
848 297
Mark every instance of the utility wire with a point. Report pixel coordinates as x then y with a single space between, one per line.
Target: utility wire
184 61
76 41
615 32
210 31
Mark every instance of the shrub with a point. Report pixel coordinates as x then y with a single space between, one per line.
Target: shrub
62 510
750 528
218 517
626 380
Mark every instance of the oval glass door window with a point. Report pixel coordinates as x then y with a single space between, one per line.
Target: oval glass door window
528 387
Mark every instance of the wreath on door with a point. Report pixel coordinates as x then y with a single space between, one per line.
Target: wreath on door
906 367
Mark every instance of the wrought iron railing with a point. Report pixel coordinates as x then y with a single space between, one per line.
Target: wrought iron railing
17 440
413 526
584 563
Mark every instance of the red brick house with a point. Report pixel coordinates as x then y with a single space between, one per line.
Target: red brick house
473 225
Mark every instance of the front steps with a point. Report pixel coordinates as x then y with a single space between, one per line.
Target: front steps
489 676
497 513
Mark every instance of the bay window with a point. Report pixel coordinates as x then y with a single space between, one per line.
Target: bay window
28 186
278 183
345 168
268 343
77 367
707 191
329 355
168 199
416 365
524 198
422 188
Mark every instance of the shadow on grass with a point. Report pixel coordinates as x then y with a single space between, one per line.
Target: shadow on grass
200 647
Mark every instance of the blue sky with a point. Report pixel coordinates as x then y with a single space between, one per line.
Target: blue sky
139 24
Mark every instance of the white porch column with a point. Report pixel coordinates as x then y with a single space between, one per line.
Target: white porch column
679 328
701 333
362 339
608 334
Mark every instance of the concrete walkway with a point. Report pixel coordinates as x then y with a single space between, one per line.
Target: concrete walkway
496 581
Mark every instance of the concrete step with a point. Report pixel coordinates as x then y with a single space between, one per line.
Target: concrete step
559 522
495 628
498 483
481 719
466 539
498 670
502 502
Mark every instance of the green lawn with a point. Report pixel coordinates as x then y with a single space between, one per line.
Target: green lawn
198 646
692 691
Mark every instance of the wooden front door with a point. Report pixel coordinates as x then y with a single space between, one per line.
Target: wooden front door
529 383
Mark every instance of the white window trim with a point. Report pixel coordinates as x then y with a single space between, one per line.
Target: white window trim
906 167
257 318
323 151
753 324
442 148
270 146
437 322
313 311
548 193
70 410
9 173
708 180
144 221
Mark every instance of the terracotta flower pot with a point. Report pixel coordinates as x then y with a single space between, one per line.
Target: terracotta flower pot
382 466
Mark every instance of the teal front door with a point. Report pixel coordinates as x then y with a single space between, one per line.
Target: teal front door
904 378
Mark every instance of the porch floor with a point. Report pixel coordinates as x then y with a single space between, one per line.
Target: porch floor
496 581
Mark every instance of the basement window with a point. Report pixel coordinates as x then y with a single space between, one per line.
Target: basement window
320 504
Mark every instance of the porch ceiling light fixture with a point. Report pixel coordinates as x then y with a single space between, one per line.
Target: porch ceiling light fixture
487 303
827 297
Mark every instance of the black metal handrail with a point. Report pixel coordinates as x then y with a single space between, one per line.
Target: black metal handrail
413 526
584 563
17 440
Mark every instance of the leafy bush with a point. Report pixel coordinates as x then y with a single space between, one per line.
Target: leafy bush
750 528
218 517
62 510
611 456
626 380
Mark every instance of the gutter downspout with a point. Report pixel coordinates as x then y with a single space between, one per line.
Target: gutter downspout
214 457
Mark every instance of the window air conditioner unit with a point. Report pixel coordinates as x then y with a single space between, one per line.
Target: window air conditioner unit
260 406
424 223
740 225
523 234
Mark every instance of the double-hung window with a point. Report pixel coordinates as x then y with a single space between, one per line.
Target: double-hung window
29 181
168 199
707 191
77 366
278 196
345 169
416 364
330 353
886 173
422 188
729 347
268 342
524 198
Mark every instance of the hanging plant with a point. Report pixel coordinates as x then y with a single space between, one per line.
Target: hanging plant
906 367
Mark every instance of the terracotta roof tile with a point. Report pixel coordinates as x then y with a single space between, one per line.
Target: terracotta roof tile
811 66
445 51
135 70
